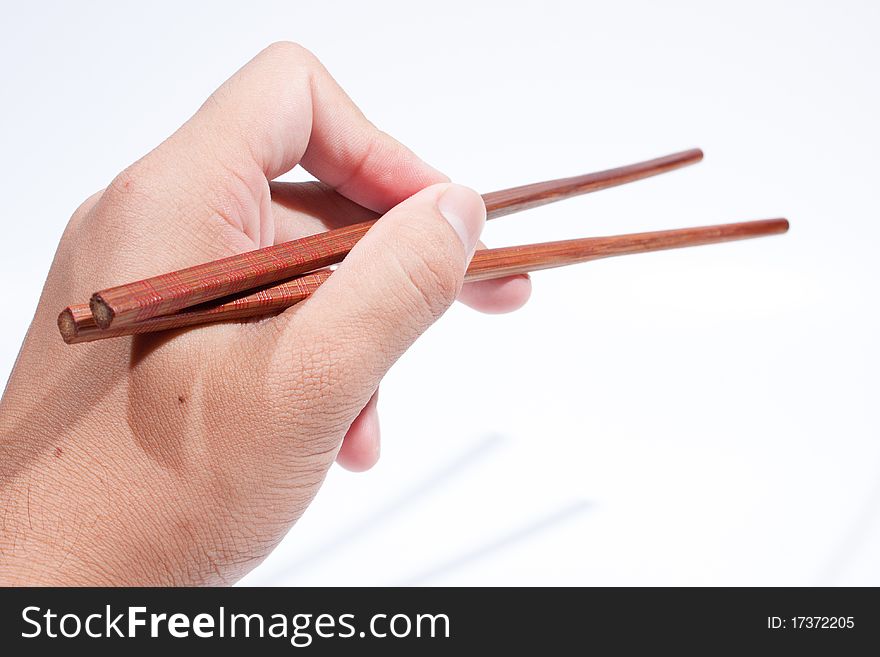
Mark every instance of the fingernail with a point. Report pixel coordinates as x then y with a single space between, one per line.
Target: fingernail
465 211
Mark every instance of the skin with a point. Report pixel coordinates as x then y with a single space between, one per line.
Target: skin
185 457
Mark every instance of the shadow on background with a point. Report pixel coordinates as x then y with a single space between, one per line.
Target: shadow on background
383 514
536 527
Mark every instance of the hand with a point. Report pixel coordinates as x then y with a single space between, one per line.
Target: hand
185 457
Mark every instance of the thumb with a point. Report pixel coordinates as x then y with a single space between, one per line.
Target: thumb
399 279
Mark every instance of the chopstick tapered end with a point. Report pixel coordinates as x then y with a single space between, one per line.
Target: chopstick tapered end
686 157
779 225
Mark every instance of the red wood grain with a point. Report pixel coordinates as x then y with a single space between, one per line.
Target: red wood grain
77 324
168 293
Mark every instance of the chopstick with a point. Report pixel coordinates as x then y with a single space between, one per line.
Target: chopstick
77 324
165 294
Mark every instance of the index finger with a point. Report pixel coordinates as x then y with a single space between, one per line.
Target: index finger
283 108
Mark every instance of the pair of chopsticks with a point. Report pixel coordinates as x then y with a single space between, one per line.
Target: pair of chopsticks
265 281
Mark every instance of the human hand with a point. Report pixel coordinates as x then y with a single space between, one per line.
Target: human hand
185 457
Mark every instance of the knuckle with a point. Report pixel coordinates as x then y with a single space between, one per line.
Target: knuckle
80 215
289 52
284 66
124 205
127 185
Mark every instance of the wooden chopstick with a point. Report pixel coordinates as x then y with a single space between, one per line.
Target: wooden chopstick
77 324
168 293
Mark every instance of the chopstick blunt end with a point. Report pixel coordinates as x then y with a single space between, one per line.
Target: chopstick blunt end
165 294
101 311
67 325
76 324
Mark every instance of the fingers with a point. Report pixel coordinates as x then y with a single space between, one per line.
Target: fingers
500 295
301 209
393 285
203 193
306 208
283 108
360 447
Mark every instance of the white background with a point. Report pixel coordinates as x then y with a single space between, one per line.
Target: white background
691 417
